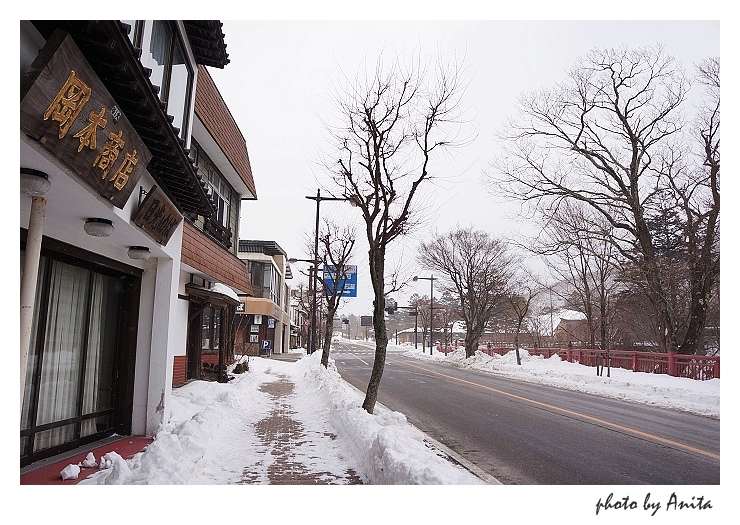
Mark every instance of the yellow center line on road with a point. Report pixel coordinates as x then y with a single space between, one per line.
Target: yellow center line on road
572 413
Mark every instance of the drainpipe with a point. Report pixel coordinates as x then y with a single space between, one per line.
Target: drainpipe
31 266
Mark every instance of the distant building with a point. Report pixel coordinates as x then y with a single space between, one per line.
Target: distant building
573 331
265 327
299 321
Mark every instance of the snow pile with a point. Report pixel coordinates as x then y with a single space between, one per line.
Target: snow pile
70 472
211 438
689 395
391 451
89 461
190 448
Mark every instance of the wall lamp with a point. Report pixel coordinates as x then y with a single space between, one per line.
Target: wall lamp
98 227
139 253
34 182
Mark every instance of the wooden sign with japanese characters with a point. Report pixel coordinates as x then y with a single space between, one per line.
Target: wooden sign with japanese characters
157 216
66 107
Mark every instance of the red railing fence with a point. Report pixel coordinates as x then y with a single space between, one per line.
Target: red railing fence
674 364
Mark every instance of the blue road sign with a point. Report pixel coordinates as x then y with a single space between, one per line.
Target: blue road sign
266 344
347 284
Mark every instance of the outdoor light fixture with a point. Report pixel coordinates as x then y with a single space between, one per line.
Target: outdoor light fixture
34 182
98 227
139 253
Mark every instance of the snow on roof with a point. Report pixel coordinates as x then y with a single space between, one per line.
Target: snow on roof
224 290
571 315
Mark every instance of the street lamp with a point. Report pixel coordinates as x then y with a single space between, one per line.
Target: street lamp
431 309
318 198
311 292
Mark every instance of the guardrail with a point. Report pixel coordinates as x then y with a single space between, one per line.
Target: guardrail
697 367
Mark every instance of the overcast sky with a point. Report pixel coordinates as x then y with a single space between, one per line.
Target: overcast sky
279 82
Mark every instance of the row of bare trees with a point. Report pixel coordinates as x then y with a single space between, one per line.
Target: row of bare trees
607 161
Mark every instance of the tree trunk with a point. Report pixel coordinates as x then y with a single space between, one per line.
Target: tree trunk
652 274
472 338
327 337
700 295
377 278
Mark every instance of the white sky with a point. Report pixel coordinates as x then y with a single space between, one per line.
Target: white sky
211 440
278 86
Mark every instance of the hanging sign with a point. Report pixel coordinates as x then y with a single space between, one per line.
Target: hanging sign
157 216
67 109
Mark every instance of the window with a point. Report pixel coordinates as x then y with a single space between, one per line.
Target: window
265 281
220 191
256 273
221 194
211 333
164 52
72 371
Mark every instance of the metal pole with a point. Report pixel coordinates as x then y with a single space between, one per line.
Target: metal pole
29 281
315 273
312 295
431 315
416 324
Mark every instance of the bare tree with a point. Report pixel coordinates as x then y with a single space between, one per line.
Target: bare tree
476 268
523 289
301 295
394 122
695 187
606 137
576 243
422 304
446 313
336 243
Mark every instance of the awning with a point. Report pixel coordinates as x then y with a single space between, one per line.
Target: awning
211 296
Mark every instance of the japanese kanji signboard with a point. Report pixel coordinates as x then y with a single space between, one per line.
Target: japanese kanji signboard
157 216
66 107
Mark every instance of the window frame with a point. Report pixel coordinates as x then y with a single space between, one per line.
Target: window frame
141 37
217 185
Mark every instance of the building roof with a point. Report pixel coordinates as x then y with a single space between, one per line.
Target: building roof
207 40
270 248
106 46
218 120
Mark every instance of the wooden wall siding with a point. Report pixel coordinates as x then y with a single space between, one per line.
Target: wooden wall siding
202 253
209 358
179 370
215 115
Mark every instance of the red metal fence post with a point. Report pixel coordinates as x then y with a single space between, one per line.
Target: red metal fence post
671 363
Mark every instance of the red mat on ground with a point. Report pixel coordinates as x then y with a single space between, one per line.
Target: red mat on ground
126 447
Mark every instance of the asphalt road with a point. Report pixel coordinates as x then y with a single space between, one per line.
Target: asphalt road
523 433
